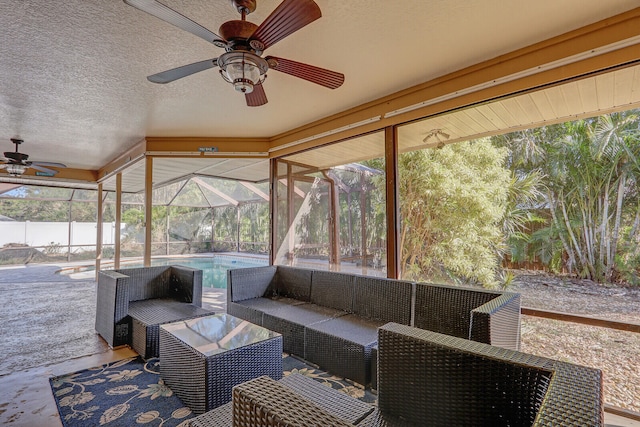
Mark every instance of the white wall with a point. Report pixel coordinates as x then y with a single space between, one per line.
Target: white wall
45 233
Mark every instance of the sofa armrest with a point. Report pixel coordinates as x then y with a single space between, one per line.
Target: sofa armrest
112 308
248 283
434 379
265 402
497 322
186 284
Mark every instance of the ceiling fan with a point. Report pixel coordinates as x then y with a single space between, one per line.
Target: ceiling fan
16 163
242 64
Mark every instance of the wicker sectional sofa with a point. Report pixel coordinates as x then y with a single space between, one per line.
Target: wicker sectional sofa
131 303
429 379
331 319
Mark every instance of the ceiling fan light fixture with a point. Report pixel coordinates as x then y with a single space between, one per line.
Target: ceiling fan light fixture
15 170
243 70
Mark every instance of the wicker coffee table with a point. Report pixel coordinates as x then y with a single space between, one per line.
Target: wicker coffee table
201 359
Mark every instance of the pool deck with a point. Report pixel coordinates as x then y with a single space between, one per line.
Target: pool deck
40 340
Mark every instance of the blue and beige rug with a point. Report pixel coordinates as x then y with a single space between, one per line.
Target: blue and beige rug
131 392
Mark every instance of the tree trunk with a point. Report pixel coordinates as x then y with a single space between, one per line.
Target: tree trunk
616 226
572 261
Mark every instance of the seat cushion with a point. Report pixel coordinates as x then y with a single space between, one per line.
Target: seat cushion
343 346
253 309
162 310
290 321
148 315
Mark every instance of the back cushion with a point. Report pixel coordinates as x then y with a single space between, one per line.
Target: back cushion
333 290
382 299
147 282
247 283
293 282
432 379
447 309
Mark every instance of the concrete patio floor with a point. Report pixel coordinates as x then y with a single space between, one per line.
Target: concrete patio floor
47 329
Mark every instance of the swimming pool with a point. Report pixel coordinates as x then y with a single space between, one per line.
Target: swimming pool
214 269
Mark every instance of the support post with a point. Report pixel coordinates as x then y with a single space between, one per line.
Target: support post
273 209
99 230
148 209
70 230
393 215
116 242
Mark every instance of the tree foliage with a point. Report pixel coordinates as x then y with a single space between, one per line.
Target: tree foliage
452 207
590 192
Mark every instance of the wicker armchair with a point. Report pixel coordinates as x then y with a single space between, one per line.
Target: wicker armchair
132 303
427 378
294 400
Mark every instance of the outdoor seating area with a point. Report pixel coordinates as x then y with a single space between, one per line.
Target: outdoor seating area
132 303
438 355
331 319
427 378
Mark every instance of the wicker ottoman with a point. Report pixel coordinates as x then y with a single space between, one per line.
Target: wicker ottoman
148 315
202 359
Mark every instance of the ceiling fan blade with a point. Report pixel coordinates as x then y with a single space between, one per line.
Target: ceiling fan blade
287 18
43 169
257 97
53 164
160 11
184 71
321 76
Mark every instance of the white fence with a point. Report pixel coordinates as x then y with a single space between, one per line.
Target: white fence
39 234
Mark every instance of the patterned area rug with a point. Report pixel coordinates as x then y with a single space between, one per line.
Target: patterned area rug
130 392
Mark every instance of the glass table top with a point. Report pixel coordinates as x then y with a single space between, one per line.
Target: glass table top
218 333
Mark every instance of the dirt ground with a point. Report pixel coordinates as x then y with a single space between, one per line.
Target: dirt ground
617 353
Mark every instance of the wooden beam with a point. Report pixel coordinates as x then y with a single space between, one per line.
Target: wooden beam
215 191
64 174
392 201
585 320
99 221
273 209
148 209
227 147
116 243
122 161
524 69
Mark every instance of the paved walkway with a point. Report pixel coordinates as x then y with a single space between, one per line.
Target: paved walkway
48 317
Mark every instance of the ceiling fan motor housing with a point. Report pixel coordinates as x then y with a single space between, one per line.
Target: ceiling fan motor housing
15 156
246 6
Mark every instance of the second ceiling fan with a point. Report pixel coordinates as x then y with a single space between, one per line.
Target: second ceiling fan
242 64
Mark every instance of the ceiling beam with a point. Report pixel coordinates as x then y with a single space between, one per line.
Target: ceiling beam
604 44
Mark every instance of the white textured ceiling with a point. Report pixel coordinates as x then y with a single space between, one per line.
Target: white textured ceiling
73 74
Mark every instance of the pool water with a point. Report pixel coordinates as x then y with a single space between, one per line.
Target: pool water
214 270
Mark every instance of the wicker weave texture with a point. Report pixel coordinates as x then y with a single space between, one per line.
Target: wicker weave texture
186 284
149 314
182 368
342 346
334 290
112 306
291 320
225 370
498 322
116 289
383 299
205 382
332 401
265 402
247 283
447 309
433 379
293 282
